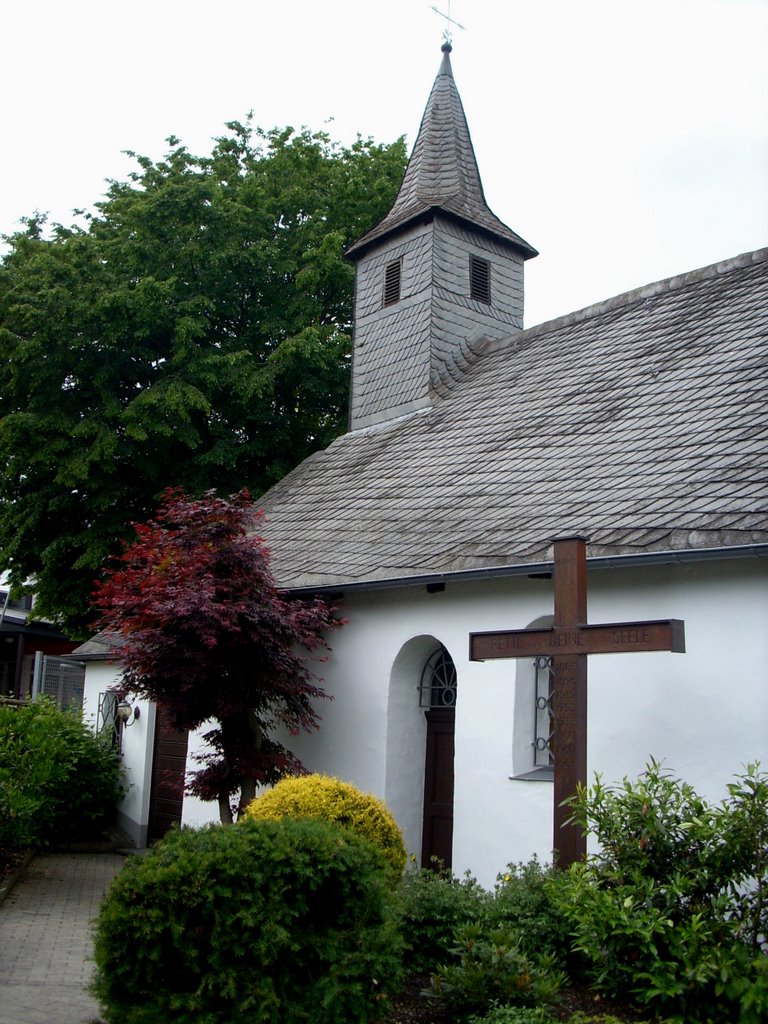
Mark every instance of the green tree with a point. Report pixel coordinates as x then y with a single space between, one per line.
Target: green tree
195 333
205 632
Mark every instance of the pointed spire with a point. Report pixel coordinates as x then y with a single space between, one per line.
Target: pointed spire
442 172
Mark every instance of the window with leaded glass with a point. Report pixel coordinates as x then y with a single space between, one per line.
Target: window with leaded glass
108 724
438 681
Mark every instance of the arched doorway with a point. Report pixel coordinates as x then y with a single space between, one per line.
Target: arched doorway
437 693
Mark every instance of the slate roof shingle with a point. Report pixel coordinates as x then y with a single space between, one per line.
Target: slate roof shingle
639 422
442 172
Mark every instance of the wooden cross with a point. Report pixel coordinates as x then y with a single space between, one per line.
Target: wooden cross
569 642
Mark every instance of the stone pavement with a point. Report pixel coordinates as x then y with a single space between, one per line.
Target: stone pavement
45 938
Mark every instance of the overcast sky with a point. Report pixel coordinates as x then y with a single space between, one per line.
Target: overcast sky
627 140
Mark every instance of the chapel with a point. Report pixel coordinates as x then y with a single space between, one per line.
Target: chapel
638 423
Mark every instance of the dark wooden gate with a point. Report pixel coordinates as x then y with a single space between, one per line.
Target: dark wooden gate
437 835
169 761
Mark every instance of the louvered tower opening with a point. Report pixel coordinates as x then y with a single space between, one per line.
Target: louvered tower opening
392 278
479 279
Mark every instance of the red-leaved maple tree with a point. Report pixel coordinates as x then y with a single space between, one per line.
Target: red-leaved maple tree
204 631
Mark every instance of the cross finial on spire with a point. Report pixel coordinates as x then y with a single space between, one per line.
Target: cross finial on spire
448 22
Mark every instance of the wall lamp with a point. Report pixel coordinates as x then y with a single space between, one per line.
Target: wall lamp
126 713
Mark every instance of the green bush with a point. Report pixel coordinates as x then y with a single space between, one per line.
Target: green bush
433 907
320 796
436 905
492 967
523 902
57 778
270 922
674 909
539 1015
515 1015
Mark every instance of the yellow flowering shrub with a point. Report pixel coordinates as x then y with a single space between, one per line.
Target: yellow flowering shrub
321 796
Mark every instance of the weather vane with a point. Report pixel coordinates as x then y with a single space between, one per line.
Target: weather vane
448 22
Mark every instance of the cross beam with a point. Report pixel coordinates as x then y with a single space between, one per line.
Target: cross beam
569 642
618 638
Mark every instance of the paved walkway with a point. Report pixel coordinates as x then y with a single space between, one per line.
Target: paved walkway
45 938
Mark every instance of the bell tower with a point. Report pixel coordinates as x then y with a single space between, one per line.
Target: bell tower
436 275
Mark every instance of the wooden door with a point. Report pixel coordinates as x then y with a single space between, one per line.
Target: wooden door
437 835
169 762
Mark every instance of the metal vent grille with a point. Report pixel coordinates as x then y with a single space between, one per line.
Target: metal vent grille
392 278
479 279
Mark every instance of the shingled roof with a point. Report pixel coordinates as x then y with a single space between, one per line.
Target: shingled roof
442 173
639 422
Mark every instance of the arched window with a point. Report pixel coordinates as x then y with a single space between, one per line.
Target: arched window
438 681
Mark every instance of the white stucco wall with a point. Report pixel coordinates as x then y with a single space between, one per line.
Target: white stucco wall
196 812
137 739
704 713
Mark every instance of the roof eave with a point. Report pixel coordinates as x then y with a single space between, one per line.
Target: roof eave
425 215
627 561
33 628
74 656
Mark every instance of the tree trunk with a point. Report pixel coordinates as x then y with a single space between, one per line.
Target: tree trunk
248 784
225 808
247 793
241 738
